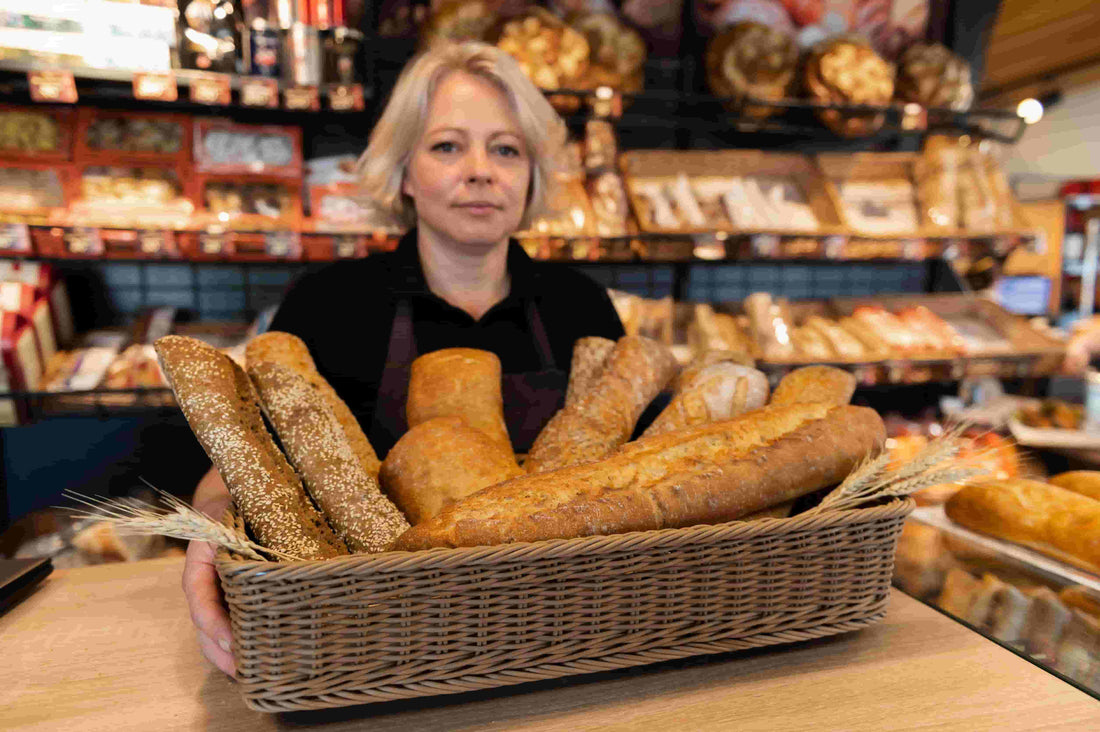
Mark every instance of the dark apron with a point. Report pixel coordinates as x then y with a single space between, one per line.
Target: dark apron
530 398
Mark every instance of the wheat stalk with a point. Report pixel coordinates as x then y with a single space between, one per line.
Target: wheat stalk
177 519
873 479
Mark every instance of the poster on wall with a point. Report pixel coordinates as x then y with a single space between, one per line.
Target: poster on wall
890 25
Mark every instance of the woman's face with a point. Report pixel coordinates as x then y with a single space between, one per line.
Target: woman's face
470 169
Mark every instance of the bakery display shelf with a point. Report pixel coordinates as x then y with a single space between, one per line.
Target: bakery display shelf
35 406
116 86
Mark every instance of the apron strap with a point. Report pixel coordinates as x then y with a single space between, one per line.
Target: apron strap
547 361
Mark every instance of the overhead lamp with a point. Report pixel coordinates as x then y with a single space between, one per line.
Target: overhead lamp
1030 110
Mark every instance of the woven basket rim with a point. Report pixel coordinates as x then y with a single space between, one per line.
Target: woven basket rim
445 557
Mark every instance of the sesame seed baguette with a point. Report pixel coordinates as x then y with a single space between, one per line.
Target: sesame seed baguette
826 384
589 357
604 417
710 474
315 443
221 407
288 350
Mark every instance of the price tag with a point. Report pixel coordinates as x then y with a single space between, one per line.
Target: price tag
282 244
765 245
345 97
52 86
348 247
84 241
211 89
257 92
157 86
213 243
15 238
157 243
304 98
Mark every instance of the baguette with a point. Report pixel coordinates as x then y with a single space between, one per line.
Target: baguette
815 384
604 418
710 474
589 356
1047 518
716 393
1083 482
220 405
316 444
459 382
440 462
288 350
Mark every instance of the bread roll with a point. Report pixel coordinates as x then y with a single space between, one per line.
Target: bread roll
589 357
459 382
718 392
815 384
708 358
288 350
1083 482
440 462
315 443
1044 517
220 405
604 418
710 474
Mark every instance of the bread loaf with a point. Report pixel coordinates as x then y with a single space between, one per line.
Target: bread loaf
440 462
815 384
1047 518
710 474
315 443
1084 482
709 358
716 393
604 418
288 350
459 382
220 405
589 356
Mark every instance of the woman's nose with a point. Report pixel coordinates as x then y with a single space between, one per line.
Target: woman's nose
479 168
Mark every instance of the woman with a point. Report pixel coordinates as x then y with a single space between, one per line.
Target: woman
462 154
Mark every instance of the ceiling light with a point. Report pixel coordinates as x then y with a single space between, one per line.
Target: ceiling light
1030 110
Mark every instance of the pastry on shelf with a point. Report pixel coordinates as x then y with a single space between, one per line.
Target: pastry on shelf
553 55
459 20
617 52
932 75
846 70
29 132
751 59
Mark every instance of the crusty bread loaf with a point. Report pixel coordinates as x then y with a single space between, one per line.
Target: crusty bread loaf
316 444
220 405
710 474
1084 482
715 393
604 418
459 382
709 358
288 350
815 384
438 463
589 356
1047 518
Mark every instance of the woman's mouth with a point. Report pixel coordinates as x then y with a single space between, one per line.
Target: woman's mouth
479 208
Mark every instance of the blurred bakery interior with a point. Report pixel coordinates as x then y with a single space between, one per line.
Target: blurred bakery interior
907 189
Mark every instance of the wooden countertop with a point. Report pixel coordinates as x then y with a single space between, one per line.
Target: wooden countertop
111 648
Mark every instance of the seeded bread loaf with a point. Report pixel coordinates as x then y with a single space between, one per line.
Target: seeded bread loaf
288 350
221 407
438 463
314 441
815 384
710 474
589 357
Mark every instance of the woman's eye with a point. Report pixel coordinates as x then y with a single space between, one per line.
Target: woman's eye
445 147
508 151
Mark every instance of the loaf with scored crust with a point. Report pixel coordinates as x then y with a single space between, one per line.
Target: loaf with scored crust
826 384
710 474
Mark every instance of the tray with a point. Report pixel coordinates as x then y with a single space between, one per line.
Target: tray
371 628
1051 437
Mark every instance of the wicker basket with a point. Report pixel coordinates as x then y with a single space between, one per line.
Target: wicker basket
372 628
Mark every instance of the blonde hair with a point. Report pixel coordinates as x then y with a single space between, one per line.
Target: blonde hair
382 165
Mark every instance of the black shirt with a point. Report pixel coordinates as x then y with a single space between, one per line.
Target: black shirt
345 313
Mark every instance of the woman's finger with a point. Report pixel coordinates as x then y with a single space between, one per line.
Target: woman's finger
204 601
213 652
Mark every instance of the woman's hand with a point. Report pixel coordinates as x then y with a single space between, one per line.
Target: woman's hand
200 581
